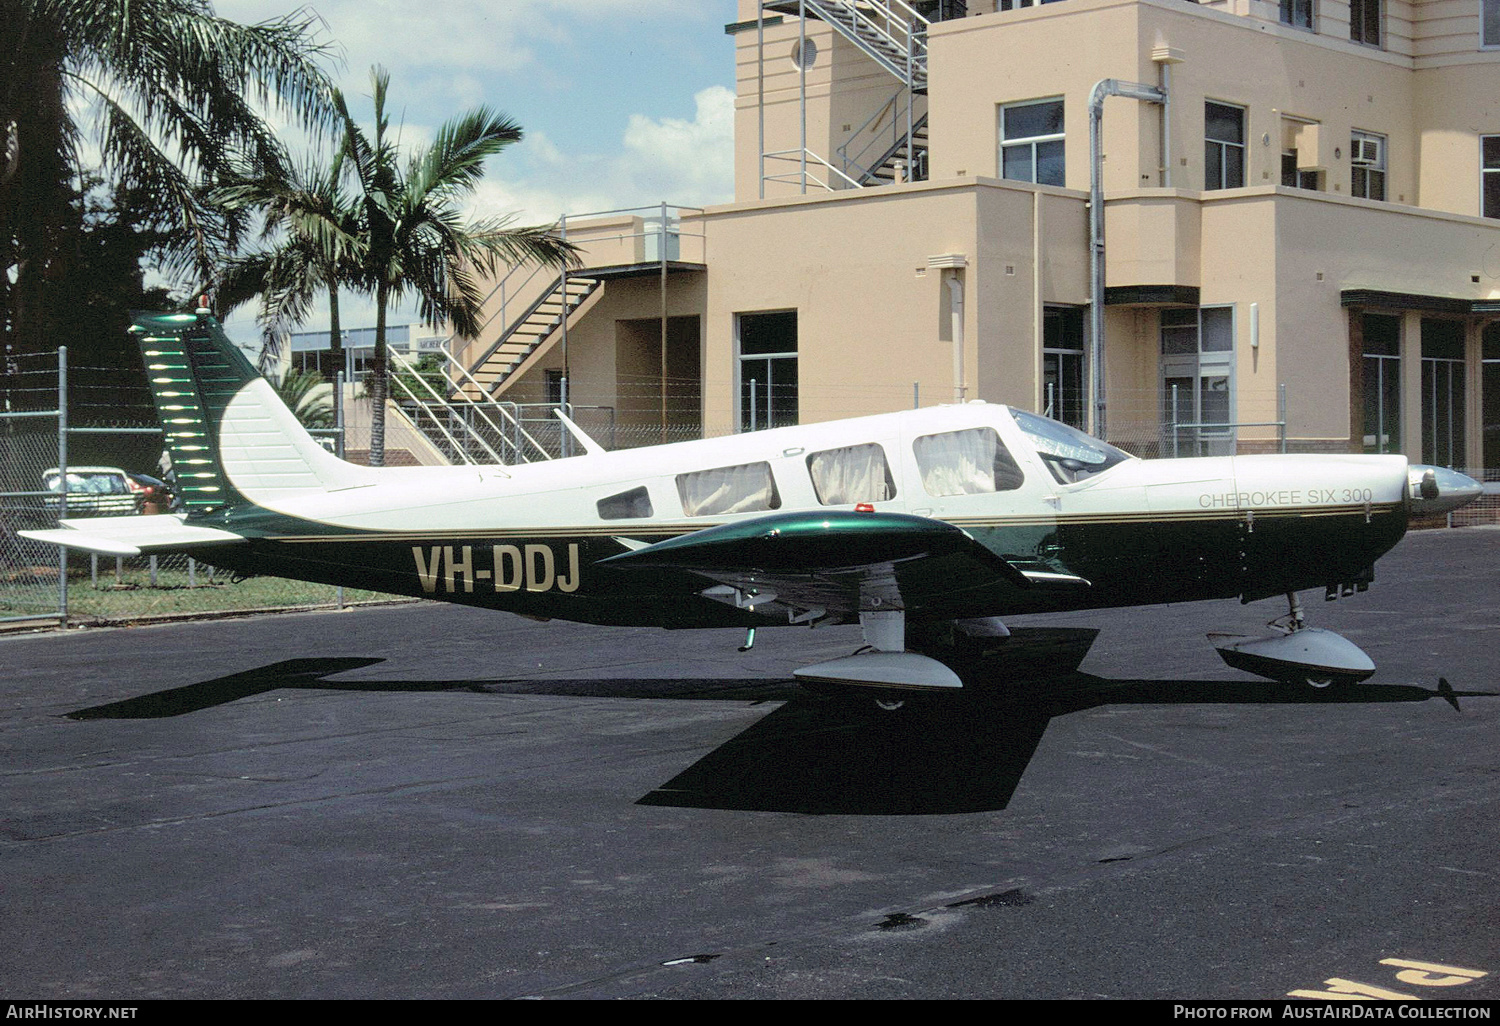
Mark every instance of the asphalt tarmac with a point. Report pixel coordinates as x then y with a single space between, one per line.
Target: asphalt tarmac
429 801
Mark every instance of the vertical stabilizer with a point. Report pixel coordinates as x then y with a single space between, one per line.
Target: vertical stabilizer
230 437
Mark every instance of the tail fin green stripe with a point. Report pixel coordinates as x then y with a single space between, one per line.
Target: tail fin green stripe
194 370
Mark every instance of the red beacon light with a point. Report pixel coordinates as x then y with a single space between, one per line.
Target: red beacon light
864 507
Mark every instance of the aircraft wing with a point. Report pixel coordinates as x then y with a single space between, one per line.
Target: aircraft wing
132 536
839 562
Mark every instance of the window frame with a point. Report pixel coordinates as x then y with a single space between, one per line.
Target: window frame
1378 369
1243 147
1382 169
1489 25
783 358
1356 25
1031 142
1289 9
1070 360
1444 394
1199 365
1489 176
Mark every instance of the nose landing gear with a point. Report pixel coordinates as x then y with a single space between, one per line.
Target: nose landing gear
1299 654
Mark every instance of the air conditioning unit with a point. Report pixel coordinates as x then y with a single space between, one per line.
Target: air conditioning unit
1365 152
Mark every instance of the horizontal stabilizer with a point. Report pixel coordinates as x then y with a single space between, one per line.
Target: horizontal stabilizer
132 536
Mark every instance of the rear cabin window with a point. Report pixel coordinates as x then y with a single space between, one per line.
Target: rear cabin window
970 462
748 488
632 505
856 473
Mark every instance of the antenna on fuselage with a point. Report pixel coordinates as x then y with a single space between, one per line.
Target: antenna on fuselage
590 446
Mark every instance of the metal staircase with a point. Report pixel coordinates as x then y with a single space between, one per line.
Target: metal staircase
905 161
534 326
892 33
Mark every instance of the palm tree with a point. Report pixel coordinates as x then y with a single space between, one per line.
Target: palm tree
173 90
310 245
416 242
308 396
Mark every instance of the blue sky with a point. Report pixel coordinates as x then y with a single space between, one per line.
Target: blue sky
623 102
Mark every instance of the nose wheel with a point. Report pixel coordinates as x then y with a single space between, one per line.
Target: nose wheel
1310 656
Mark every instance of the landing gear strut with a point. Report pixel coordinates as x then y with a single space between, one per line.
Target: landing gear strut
1299 654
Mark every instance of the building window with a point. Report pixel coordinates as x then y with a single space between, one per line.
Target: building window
1367 166
1489 30
1293 177
1197 370
1063 395
1382 382
1490 398
1031 142
768 370
1489 174
1297 13
1443 392
1224 152
1364 21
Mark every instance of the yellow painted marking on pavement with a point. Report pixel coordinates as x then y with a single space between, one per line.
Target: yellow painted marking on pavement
1352 990
1428 974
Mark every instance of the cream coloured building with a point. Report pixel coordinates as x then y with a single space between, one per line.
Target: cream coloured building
1301 227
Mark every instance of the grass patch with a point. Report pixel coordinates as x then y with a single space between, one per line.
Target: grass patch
175 592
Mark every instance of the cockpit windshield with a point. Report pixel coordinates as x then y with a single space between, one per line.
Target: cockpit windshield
1070 454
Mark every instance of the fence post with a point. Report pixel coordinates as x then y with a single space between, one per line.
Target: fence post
1281 414
62 472
1173 422
338 413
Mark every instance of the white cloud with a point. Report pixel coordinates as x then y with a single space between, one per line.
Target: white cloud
672 160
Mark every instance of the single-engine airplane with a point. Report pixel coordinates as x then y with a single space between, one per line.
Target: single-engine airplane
926 527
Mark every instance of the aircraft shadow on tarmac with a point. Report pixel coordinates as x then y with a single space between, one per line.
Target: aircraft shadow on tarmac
820 755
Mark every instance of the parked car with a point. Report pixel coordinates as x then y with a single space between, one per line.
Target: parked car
153 494
107 492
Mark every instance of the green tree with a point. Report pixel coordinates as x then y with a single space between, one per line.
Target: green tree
308 396
172 92
416 242
309 244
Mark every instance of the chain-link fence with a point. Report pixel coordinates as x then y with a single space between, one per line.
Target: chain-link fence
71 448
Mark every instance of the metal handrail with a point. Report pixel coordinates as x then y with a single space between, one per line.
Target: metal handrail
495 403
867 174
880 112
914 36
478 409
798 155
443 404
458 447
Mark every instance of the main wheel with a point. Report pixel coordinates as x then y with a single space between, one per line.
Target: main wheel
1327 682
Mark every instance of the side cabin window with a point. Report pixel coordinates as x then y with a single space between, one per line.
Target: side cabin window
856 473
748 488
970 462
632 505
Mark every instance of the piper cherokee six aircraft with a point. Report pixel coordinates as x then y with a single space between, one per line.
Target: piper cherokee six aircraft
925 527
